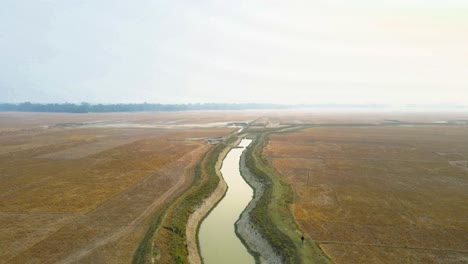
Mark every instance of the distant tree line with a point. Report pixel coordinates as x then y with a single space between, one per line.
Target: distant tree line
149 107
143 107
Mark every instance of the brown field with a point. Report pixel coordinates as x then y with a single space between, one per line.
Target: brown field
84 187
353 116
387 194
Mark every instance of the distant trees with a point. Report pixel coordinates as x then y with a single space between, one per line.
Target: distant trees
147 107
144 107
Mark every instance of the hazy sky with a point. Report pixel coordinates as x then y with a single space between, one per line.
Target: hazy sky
330 51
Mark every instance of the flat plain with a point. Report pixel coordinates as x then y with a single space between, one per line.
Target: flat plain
368 188
84 187
379 194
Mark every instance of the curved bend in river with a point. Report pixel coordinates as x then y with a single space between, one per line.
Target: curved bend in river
218 240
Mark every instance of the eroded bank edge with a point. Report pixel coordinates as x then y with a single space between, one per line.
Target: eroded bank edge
246 230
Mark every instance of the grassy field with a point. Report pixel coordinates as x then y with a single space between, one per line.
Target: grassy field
379 194
85 188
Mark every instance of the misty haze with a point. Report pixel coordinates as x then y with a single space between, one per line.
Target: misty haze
247 132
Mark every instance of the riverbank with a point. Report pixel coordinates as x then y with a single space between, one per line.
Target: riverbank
195 219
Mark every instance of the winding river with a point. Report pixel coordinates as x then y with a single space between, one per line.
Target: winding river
218 240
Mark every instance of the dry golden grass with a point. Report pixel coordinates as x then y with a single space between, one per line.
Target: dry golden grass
379 194
87 194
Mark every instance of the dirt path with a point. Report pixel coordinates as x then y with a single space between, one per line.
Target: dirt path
207 205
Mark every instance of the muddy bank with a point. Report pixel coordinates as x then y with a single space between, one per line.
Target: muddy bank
205 207
245 229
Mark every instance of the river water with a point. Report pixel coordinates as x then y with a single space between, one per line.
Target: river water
218 240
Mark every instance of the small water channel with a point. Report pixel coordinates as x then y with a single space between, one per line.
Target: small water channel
218 240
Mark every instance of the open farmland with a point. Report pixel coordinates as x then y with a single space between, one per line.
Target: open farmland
84 187
379 194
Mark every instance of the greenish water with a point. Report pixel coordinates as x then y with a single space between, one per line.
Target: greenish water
218 241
